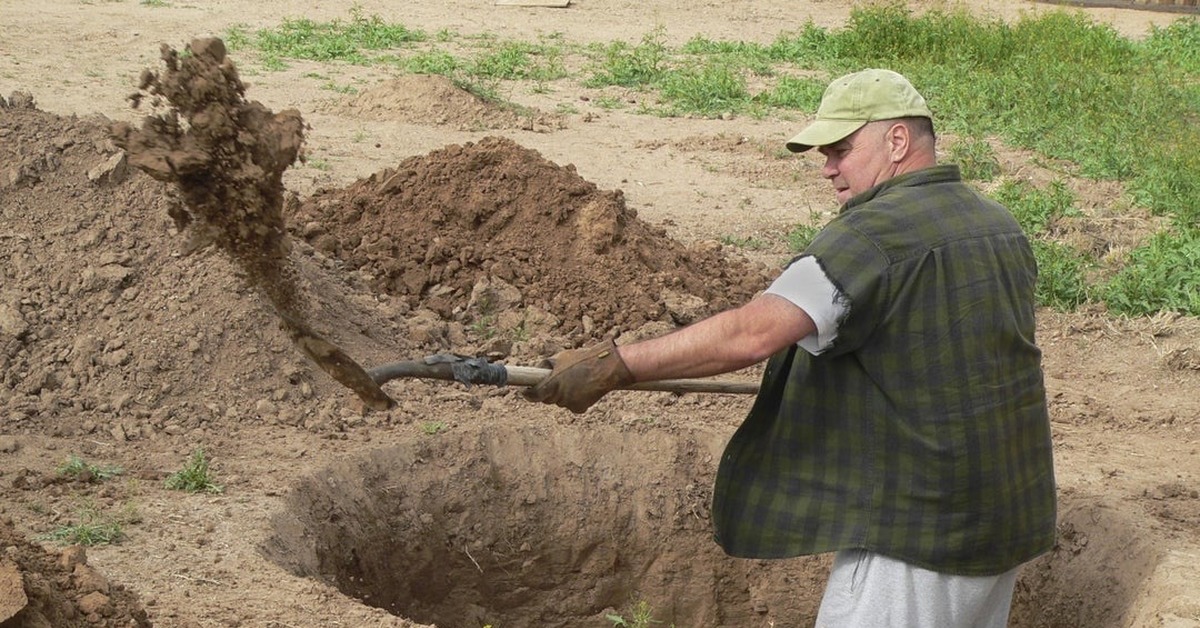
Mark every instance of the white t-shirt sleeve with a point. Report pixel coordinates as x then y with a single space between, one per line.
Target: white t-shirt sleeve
806 285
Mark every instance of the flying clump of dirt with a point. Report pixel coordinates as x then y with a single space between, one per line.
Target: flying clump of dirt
227 162
432 228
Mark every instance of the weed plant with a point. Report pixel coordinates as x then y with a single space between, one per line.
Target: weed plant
1162 275
93 527
76 468
194 477
975 157
641 615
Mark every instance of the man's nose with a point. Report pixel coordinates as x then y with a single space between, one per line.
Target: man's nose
829 170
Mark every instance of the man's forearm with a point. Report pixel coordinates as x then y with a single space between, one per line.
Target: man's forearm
728 341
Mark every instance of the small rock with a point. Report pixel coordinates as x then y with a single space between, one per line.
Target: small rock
72 557
111 172
12 322
88 579
11 583
94 603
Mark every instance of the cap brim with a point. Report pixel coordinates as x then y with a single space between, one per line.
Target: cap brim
823 133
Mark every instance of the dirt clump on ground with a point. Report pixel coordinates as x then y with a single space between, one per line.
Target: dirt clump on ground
432 227
60 589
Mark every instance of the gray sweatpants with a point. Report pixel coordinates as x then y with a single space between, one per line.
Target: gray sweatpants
868 590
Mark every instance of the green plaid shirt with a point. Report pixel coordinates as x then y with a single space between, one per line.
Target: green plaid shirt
922 433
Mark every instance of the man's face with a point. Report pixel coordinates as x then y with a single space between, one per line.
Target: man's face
858 162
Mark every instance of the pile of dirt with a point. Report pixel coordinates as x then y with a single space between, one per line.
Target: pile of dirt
432 99
430 229
59 589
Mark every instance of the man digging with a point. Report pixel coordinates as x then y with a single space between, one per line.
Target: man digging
902 419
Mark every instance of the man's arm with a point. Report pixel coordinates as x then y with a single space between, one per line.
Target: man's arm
722 343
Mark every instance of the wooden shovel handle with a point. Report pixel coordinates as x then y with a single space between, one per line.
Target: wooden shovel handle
528 376
443 367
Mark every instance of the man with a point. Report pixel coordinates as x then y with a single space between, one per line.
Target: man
902 419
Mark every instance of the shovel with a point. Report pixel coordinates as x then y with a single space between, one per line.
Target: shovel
472 371
367 384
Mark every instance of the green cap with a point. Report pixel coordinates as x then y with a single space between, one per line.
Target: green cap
856 99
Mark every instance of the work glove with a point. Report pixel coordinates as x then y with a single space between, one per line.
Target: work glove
580 377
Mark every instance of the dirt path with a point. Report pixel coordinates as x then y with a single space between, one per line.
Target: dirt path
469 507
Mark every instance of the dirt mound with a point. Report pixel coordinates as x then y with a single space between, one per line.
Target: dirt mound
435 100
60 588
435 225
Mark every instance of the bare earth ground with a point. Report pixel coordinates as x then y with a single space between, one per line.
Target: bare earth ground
435 224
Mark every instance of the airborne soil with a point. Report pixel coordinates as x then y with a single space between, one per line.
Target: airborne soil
424 221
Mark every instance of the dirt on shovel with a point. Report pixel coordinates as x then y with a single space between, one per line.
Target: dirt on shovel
226 157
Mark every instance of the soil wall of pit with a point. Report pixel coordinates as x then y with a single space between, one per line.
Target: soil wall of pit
564 526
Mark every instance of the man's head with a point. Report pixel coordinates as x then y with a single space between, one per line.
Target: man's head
871 126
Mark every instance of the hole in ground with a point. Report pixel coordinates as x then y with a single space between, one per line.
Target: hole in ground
562 526
537 526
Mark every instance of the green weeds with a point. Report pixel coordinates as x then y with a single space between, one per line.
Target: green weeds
1036 209
1163 275
641 615
348 41
194 477
77 469
433 428
749 243
93 527
976 158
801 236
1061 269
622 65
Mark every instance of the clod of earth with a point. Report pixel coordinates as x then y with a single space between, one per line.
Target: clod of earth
226 158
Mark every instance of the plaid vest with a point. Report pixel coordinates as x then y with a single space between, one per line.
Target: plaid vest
923 432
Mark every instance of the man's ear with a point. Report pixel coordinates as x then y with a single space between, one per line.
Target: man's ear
899 141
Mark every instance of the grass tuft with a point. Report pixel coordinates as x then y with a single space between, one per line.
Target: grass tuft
76 468
194 477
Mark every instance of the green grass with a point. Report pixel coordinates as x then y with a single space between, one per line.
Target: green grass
1072 90
513 60
749 243
194 477
622 65
432 428
801 236
1034 208
975 157
348 41
709 89
640 615
93 527
1163 275
76 468
1062 270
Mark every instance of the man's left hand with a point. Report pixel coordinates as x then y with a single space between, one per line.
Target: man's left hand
580 377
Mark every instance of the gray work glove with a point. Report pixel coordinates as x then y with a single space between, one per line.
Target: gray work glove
580 377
